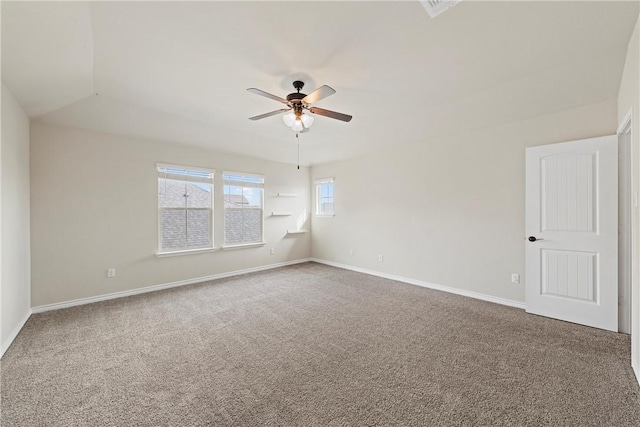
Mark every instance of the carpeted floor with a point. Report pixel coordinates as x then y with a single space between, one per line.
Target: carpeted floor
312 345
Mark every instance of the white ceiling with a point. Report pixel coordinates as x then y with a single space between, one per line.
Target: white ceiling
178 70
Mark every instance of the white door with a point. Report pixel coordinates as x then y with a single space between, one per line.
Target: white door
572 231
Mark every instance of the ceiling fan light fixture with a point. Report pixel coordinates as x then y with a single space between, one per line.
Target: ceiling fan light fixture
294 115
289 118
297 125
307 120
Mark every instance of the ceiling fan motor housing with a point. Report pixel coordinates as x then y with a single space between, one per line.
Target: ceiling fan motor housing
293 97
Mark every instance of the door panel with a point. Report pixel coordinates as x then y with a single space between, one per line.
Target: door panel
571 211
568 193
569 274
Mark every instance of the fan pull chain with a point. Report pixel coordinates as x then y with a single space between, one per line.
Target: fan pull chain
298 140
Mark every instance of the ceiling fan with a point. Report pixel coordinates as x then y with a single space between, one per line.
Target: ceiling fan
297 103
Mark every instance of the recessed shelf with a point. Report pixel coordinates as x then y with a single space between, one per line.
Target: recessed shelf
287 195
281 213
296 231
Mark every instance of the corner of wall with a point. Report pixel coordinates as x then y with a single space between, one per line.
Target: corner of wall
8 340
15 265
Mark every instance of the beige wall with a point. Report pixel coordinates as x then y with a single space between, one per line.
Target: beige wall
629 100
15 266
628 96
94 206
448 211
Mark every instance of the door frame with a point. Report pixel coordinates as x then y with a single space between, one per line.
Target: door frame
626 127
626 202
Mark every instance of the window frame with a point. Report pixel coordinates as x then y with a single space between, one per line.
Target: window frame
318 184
262 242
161 252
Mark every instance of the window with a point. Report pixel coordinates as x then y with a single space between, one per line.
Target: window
242 208
324 197
184 208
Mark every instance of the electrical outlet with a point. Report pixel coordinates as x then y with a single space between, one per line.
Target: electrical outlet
111 273
380 258
272 251
515 278
351 252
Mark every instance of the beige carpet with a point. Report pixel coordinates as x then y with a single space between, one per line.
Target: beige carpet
312 345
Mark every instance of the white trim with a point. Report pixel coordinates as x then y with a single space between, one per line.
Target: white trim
323 180
244 245
626 190
249 175
153 288
470 294
625 122
186 252
7 343
162 174
281 213
627 126
185 168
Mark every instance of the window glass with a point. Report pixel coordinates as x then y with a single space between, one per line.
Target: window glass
185 211
243 208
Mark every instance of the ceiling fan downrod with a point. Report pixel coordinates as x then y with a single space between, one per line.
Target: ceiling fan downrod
298 85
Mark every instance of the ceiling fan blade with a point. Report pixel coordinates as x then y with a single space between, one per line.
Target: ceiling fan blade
318 94
267 95
265 115
332 114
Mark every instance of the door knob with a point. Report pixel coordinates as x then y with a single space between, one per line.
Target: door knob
533 239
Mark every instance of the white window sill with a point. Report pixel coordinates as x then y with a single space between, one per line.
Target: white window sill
296 231
325 215
247 245
186 252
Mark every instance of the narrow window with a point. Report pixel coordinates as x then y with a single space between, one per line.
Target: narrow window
324 197
185 208
243 208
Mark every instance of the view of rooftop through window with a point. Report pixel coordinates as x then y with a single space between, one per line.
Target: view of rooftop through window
243 215
185 209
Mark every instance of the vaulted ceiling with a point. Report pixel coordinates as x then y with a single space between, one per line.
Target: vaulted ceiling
178 71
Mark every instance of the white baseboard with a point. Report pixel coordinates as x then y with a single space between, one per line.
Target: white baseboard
7 343
476 295
114 295
104 297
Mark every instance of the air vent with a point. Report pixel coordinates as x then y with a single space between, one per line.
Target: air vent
436 7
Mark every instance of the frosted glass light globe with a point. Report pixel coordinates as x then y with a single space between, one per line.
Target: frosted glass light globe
307 120
289 118
297 126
